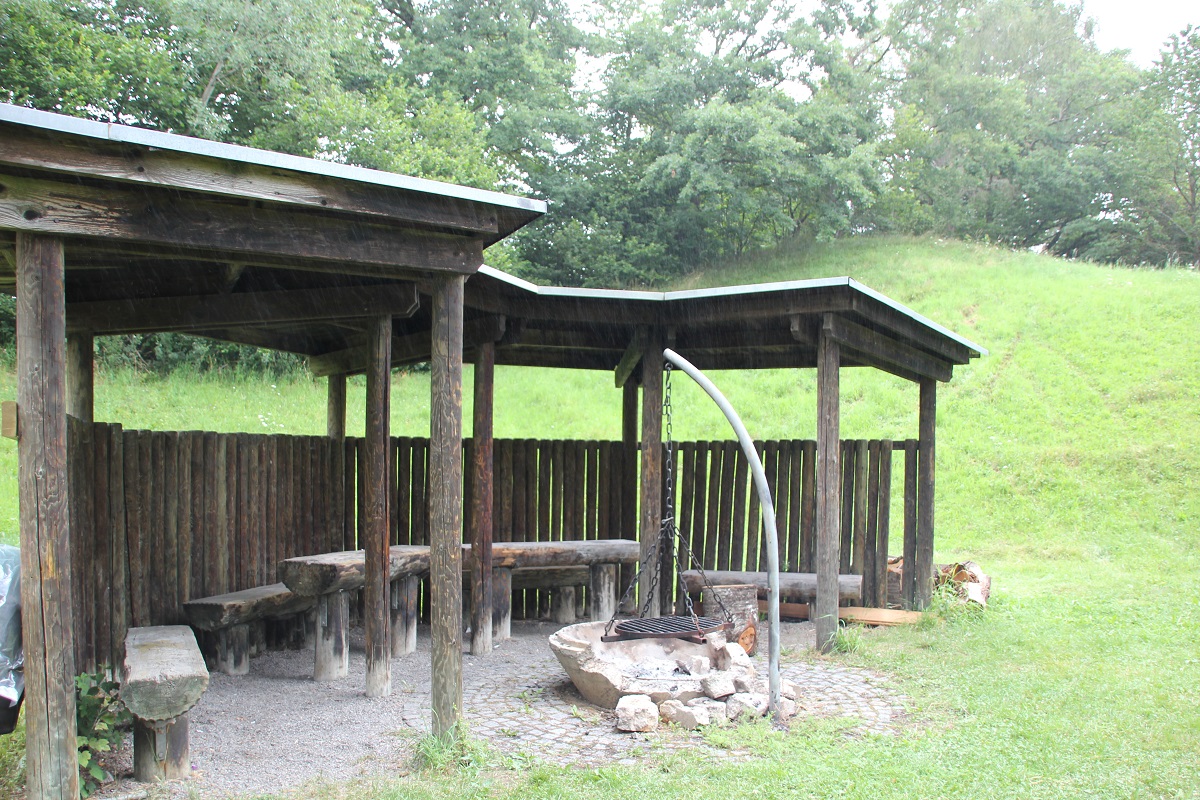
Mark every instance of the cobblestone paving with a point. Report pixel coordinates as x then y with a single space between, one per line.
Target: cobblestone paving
520 700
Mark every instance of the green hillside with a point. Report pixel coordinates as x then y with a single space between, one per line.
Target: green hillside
1067 464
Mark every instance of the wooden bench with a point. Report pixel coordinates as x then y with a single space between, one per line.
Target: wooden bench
330 577
162 678
796 586
229 617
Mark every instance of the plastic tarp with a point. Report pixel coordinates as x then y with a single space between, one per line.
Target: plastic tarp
12 658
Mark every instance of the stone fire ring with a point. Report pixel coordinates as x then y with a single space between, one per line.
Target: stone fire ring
604 672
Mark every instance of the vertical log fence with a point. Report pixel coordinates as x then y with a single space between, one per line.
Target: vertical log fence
159 518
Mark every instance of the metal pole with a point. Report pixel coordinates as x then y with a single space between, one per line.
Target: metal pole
768 516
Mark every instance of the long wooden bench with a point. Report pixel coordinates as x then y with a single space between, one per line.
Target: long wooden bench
162 678
230 615
331 576
795 586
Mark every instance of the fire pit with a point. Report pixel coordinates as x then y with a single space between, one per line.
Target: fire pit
660 668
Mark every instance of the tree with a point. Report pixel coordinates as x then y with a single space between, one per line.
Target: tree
1176 82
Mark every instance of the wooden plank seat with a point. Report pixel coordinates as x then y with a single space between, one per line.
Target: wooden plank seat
229 616
794 586
330 576
162 678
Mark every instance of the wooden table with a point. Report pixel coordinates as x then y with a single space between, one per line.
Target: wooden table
331 576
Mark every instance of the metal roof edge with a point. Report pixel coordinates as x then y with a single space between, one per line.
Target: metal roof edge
908 312
756 288
127 134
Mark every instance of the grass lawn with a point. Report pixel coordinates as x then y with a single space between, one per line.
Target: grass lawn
1067 466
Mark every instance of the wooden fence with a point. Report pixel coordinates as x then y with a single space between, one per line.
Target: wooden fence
159 518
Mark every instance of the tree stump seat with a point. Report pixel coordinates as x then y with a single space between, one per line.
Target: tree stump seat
162 678
230 616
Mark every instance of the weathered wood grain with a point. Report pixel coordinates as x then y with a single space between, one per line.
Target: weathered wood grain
46 599
792 585
376 600
445 504
828 489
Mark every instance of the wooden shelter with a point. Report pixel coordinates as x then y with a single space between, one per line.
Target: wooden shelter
106 229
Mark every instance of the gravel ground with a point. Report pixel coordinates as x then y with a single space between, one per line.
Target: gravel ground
276 729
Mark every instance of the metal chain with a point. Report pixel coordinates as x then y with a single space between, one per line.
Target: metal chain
667 534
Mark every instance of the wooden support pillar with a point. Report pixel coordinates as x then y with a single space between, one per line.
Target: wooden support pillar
627 521
445 503
908 596
502 604
602 592
405 592
829 495
233 650
331 653
46 612
481 501
335 418
651 473
160 750
80 376
927 424
376 589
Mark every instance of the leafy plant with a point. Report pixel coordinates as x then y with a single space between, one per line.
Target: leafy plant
457 751
848 639
101 719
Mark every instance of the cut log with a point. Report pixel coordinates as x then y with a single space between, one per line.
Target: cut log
163 675
562 554
792 585
345 571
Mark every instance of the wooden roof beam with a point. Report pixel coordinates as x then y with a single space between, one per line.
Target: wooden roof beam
880 350
167 218
409 349
203 312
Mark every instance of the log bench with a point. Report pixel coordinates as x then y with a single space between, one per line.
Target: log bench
328 578
794 586
162 678
229 616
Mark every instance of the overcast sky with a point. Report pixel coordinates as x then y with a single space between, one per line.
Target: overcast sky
1140 26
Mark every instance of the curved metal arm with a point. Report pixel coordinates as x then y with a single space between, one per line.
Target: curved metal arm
768 516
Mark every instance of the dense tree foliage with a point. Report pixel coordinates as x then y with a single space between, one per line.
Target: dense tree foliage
670 134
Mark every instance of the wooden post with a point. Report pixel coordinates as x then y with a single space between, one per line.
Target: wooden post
502 604
481 501
445 503
923 572
651 474
376 600
626 491
829 500
80 376
602 592
330 652
335 421
405 592
46 612
908 597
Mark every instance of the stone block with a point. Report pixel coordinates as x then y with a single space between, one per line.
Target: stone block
636 712
733 657
685 716
718 684
714 708
747 704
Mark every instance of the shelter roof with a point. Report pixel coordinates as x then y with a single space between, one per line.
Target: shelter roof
169 233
